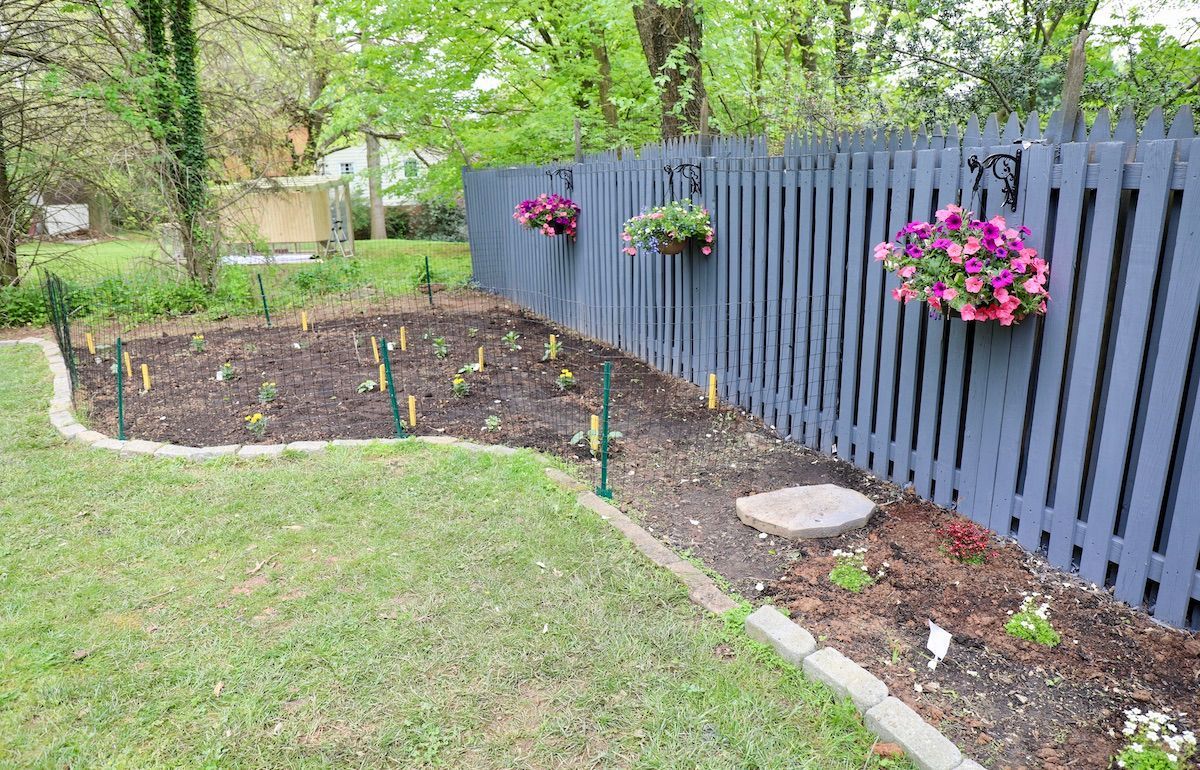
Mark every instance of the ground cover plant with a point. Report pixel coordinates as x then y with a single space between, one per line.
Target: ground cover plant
352 608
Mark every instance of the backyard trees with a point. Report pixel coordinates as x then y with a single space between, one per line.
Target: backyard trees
671 37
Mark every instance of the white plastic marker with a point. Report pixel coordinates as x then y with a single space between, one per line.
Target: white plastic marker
938 644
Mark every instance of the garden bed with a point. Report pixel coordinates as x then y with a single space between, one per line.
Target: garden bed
679 467
1007 702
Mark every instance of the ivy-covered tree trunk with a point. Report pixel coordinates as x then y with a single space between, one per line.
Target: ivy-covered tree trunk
671 37
178 127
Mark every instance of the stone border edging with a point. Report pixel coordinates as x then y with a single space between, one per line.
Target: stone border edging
887 717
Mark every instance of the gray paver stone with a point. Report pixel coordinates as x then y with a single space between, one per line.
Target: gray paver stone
140 446
819 510
438 439
969 764
261 450
108 443
209 452
928 749
845 677
771 627
308 446
351 442
564 480
71 431
89 437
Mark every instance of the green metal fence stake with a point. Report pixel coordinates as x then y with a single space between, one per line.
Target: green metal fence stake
603 490
262 293
120 394
387 373
428 282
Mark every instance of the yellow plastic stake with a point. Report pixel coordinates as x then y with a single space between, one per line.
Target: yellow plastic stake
382 379
481 358
145 378
712 391
412 412
128 365
595 437
375 350
91 343
553 347
303 321
403 339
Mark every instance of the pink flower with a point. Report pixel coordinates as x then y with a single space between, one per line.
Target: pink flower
950 293
708 238
908 271
629 250
626 237
1028 252
1001 295
972 245
1033 286
1018 265
955 251
967 312
974 284
706 250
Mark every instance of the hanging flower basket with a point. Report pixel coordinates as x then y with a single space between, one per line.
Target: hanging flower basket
550 214
667 229
975 269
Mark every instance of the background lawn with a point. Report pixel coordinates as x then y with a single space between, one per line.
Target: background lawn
409 605
125 278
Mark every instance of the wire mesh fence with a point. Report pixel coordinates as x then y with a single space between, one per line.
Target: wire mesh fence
459 360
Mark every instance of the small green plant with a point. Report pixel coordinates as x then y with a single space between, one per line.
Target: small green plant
468 368
510 341
256 424
551 349
366 386
565 380
472 331
460 387
440 348
198 343
588 437
1153 741
492 423
850 570
1032 622
267 392
225 373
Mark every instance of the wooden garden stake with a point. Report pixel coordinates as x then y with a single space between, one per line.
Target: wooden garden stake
595 438
375 349
553 347
128 364
382 379
412 412
91 343
712 391
481 358
303 321
403 339
145 378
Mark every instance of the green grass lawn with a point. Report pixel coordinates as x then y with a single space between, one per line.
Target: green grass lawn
409 606
130 254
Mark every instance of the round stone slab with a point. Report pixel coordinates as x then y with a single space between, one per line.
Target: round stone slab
799 513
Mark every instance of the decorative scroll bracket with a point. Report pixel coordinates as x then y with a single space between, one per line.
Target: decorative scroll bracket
689 171
1006 168
567 175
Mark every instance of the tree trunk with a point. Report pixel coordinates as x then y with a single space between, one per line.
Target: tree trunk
375 189
607 108
843 46
1073 85
673 29
9 274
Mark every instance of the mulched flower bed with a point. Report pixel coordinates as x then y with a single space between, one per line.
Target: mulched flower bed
1009 703
679 468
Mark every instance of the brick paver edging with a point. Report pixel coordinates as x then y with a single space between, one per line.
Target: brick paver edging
885 716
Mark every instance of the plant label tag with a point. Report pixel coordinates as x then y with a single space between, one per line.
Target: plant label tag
220 375
938 644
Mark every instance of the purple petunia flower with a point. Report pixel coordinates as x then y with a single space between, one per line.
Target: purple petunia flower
953 222
973 265
1004 278
914 251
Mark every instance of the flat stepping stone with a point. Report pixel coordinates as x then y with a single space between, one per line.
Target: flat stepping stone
800 513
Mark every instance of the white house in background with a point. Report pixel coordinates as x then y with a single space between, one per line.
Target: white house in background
398 166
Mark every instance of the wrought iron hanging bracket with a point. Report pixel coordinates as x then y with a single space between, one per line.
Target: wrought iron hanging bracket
689 171
567 175
1005 167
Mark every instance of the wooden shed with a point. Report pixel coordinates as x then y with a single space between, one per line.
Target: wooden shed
298 216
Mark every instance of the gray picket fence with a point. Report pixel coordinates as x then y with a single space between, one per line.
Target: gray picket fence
1076 433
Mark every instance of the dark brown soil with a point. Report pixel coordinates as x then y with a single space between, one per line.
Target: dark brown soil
679 467
1008 702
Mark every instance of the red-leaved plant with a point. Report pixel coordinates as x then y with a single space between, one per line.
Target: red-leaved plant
966 541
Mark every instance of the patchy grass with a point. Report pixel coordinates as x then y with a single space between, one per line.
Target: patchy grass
406 605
